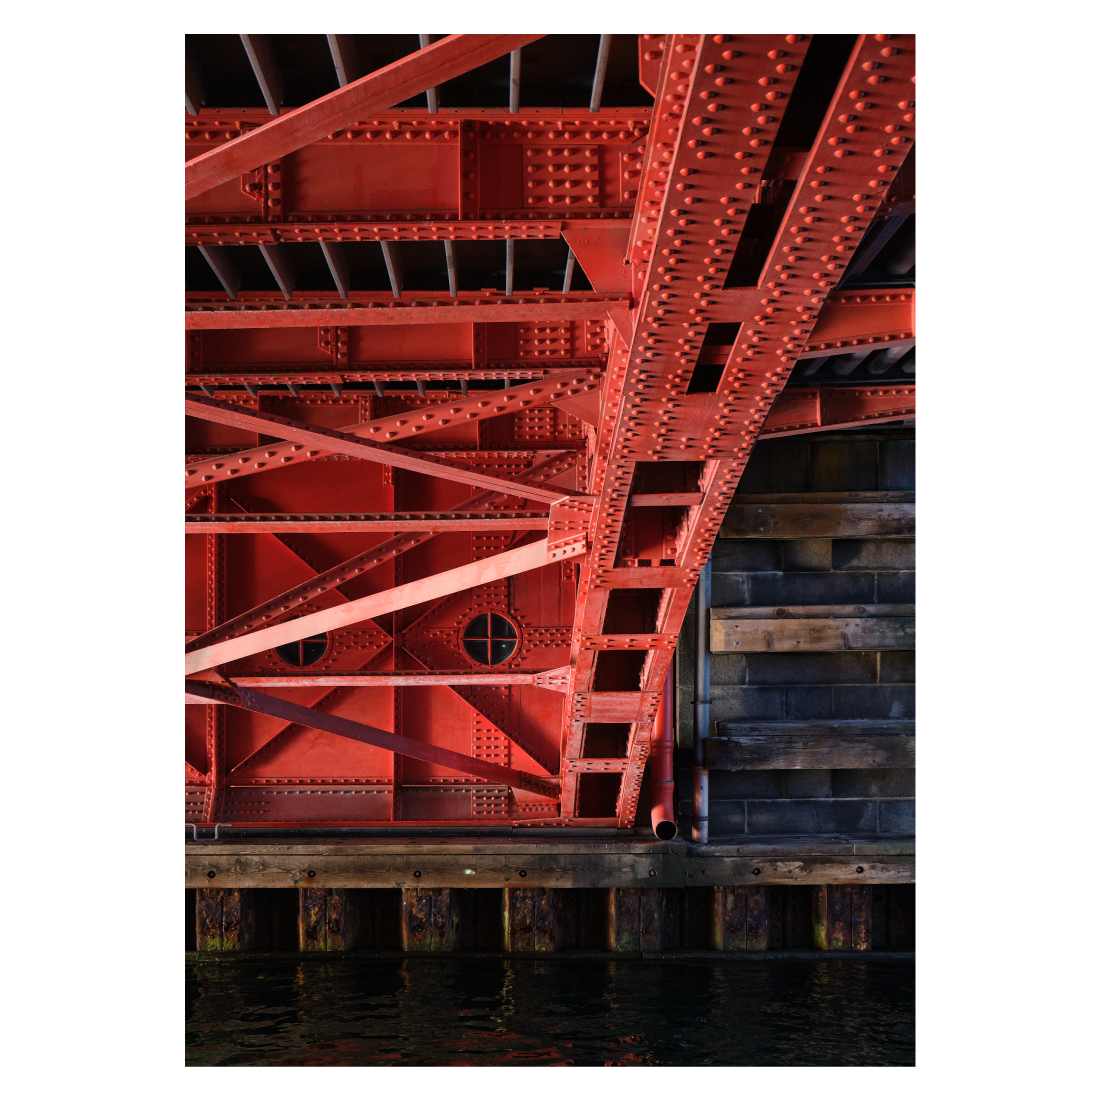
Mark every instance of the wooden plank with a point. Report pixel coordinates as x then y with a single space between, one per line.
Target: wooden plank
366 865
843 917
818 745
532 919
756 917
341 925
816 635
428 919
225 920
416 912
623 919
547 918
819 611
311 918
808 519
819 916
740 920
852 496
862 919
208 919
327 919
838 932
728 920
519 920
651 919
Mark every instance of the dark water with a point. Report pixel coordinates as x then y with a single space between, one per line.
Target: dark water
468 1011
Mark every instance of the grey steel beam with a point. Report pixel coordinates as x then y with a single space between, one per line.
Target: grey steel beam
217 256
263 66
345 57
601 72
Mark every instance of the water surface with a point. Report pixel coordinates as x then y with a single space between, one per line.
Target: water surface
478 1011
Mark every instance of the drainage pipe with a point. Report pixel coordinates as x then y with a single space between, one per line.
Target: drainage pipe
661 782
700 794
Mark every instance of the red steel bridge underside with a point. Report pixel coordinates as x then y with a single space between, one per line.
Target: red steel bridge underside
441 542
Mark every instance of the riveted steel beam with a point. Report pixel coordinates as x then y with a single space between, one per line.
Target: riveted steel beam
507 564
257 309
359 564
408 424
311 439
259 703
353 522
444 60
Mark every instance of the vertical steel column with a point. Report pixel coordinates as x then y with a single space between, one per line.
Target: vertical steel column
513 82
509 266
601 72
452 273
700 794
432 93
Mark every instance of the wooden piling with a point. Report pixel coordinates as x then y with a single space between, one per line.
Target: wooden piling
842 918
651 918
327 919
428 919
225 920
819 917
532 919
740 921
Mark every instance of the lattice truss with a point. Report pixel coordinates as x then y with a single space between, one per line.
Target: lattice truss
460 603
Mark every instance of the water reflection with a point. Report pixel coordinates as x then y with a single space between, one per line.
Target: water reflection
465 1011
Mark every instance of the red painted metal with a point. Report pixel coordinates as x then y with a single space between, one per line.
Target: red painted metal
662 814
462 177
497 567
313 440
361 563
822 408
331 523
405 425
263 309
260 703
605 426
443 60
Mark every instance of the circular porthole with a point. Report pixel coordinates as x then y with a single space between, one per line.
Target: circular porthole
305 651
490 639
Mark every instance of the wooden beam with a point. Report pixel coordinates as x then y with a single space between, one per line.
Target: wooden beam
821 515
812 629
751 746
552 862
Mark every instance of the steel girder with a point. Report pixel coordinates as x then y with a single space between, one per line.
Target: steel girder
634 427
